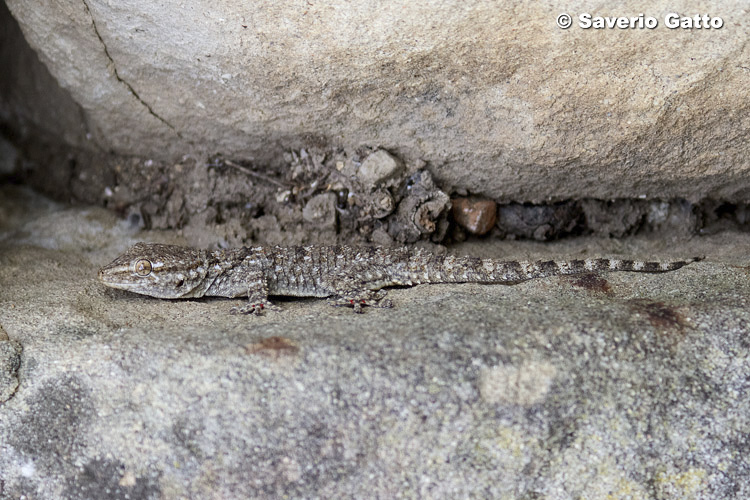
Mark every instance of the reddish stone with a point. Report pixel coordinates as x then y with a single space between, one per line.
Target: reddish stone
476 216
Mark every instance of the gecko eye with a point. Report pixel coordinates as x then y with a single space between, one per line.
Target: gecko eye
142 267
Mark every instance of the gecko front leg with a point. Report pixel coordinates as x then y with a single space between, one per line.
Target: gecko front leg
257 296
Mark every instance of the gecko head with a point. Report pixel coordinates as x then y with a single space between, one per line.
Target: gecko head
163 271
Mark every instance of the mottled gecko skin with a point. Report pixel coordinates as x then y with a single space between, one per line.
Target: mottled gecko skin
349 276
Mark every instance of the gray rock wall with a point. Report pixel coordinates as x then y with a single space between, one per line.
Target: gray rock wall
492 95
610 385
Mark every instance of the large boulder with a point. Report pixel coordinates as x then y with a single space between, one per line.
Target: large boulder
494 96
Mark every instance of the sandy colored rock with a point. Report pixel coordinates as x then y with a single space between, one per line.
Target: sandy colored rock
378 168
492 95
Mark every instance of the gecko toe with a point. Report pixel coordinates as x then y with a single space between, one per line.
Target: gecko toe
254 309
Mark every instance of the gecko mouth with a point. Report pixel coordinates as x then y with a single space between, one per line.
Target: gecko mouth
116 284
111 281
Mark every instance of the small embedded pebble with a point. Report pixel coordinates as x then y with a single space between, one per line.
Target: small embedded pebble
321 210
378 168
476 216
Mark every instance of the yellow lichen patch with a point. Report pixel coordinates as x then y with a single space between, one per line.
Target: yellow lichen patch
683 485
626 488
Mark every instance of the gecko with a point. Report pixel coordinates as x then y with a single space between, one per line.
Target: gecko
350 276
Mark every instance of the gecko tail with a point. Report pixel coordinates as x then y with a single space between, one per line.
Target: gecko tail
529 270
497 271
429 268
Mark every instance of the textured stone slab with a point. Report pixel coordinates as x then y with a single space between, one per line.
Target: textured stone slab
619 385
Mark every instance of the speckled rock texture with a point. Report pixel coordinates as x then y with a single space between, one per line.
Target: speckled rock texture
593 386
495 97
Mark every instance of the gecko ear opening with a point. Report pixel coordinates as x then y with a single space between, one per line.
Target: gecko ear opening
142 267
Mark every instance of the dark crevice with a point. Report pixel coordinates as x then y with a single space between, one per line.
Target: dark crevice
313 201
123 81
619 218
12 354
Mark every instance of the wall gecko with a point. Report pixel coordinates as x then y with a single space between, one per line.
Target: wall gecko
351 276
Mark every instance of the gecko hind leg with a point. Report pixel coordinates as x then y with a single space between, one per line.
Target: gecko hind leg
357 299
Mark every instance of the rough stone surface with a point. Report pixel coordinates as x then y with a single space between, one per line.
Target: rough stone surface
596 386
493 95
